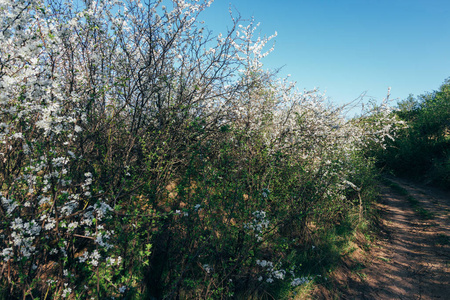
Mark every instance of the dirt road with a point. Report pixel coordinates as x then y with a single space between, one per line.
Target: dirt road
412 259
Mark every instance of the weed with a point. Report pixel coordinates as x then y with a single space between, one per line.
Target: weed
384 259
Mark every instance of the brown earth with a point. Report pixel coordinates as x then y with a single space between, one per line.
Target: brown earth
410 258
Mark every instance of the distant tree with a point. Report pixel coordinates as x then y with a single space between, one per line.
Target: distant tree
422 149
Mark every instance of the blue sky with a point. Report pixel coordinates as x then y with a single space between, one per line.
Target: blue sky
349 47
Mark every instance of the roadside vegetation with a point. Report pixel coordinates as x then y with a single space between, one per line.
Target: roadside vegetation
143 156
421 150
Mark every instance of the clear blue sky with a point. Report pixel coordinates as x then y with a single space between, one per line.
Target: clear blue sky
347 47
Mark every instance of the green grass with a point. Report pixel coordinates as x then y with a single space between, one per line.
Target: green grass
422 212
384 259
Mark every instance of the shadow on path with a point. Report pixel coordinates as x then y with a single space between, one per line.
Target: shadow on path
412 260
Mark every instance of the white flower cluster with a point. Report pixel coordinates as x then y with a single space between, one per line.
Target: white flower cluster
102 239
34 113
66 292
9 204
94 257
208 269
110 261
258 224
7 253
300 280
23 237
271 272
87 183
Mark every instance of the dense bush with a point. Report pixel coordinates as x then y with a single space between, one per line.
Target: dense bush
143 157
421 149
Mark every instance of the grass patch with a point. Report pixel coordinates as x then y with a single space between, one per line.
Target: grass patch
422 212
395 186
384 259
363 276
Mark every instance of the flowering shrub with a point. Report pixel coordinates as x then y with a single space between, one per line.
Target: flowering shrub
141 156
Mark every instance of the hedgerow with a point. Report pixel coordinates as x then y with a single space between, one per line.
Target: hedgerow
141 156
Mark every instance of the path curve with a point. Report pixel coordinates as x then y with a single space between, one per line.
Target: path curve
412 258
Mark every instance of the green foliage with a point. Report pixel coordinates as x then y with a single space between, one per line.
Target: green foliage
422 149
207 248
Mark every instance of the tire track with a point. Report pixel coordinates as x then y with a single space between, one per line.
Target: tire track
411 259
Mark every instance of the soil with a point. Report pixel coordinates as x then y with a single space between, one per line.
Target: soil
410 258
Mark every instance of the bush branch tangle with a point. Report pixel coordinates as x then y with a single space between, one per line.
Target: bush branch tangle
143 156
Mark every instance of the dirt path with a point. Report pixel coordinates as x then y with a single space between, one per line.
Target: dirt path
412 260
